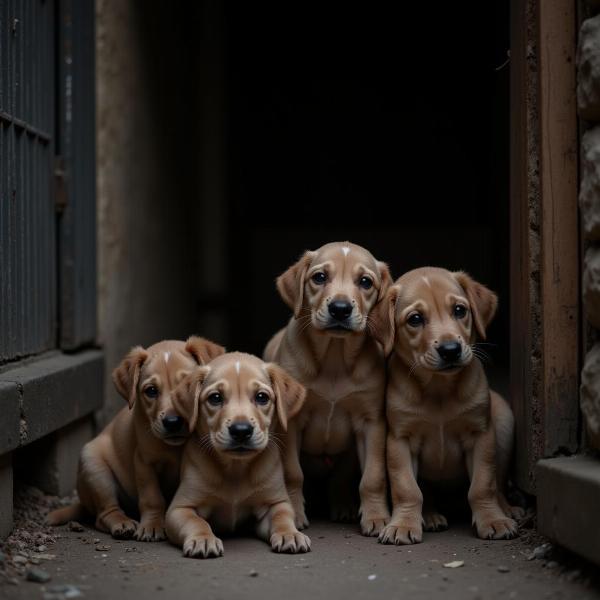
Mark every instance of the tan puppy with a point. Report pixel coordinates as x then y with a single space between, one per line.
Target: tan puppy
231 469
136 457
327 347
443 419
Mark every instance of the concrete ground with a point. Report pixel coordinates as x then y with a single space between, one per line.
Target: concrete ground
343 564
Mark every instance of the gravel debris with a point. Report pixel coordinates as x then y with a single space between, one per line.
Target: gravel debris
75 526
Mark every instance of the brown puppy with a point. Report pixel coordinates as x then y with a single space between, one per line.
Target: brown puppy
443 419
136 457
327 347
231 469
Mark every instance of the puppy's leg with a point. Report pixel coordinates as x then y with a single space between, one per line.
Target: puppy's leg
405 526
488 517
97 490
294 478
504 424
190 531
277 526
151 502
374 513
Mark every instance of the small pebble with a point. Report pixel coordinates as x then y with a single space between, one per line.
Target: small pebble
551 564
102 548
454 564
75 526
372 577
41 548
37 576
253 573
19 560
503 569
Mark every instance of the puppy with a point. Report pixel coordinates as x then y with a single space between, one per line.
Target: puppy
136 457
327 347
443 419
231 469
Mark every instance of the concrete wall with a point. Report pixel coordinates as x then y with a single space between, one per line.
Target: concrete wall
145 148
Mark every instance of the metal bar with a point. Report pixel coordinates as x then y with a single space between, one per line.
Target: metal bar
30 129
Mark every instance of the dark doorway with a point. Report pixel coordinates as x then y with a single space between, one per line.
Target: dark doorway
384 126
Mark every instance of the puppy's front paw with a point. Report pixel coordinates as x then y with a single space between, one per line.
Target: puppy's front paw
433 521
203 546
372 526
292 543
121 529
151 530
496 528
344 512
401 532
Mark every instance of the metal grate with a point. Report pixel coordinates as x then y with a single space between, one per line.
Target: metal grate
27 216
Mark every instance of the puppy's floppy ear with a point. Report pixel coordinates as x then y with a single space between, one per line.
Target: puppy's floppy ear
289 393
383 319
186 397
290 284
482 300
386 279
203 350
127 375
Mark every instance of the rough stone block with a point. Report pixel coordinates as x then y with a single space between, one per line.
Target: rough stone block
10 409
6 495
568 489
591 286
51 463
590 394
588 70
589 193
56 390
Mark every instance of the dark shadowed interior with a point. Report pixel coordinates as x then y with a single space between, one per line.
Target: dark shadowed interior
385 126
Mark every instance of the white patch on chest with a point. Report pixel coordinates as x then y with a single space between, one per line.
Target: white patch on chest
166 355
345 250
237 367
426 281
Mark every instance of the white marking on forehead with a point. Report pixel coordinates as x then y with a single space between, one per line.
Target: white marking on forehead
166 355
237 367
345 250
426 281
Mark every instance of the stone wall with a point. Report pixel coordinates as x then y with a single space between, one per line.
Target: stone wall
588 103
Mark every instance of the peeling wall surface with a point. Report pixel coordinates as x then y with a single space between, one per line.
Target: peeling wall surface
146 269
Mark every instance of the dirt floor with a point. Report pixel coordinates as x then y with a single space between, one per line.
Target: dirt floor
82 563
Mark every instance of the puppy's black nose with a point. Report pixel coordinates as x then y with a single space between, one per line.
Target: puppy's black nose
450 351
173 423
241 431
340 309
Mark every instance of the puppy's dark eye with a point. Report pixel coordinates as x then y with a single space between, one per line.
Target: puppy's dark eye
215 399
261 398
365 282
415 320
319 277
460 311
151 391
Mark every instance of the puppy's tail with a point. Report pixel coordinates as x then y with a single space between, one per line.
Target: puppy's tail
63 515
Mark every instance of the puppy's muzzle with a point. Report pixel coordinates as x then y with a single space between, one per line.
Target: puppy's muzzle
173 424
340 312
450 353
241 433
